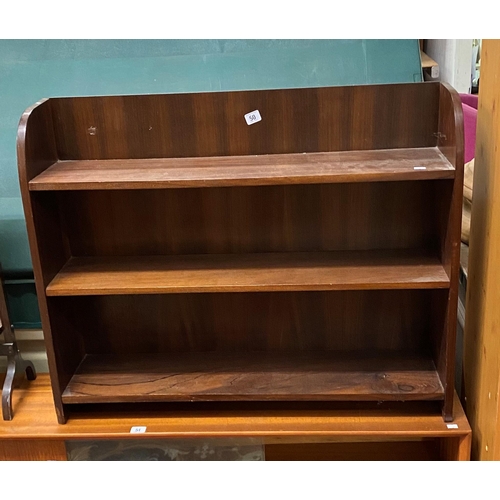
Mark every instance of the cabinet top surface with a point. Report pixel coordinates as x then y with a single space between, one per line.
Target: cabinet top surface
35 417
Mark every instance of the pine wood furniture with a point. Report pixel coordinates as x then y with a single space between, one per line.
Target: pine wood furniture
481 337
181 254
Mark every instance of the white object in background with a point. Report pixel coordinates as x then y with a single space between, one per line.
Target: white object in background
454 59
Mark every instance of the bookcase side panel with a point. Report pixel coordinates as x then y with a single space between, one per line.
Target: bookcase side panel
36 151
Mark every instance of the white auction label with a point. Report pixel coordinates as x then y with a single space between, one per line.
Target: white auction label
139 429
452 426
253 117
419 168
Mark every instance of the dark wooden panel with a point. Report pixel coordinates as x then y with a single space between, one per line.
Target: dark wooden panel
36 143
256 170
440 342
418 450
67 339
253 376
243 220
36 150
53 252
213 124
380 269
451 143
250 219
352 320
451 126
53 247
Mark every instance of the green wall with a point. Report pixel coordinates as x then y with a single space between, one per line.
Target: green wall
33 69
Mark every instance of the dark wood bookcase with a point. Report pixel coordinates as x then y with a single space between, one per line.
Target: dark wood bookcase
181 254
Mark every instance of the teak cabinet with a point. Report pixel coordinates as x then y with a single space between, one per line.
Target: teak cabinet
181 254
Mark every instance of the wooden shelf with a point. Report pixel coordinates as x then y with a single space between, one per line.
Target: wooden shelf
249 273
429 64
255 170
330 431
253 376
347 260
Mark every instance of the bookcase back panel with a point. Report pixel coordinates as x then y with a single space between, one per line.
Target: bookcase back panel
358 216
344 321
212 124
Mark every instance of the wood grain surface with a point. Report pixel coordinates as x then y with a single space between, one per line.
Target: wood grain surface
97 211
257 170
248 272
248 376
265 219
482 338
36 151
273 423
308 431
451 143
379 320
302 120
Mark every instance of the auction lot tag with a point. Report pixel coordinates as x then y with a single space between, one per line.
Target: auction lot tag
253 117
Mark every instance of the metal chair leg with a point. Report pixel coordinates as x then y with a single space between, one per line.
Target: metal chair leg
16 365
16 368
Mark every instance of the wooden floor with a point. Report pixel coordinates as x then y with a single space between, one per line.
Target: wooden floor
299 431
